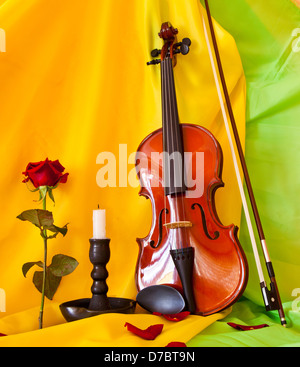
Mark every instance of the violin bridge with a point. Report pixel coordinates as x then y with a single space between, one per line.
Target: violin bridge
180 224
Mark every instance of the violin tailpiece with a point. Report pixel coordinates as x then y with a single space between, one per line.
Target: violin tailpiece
184 263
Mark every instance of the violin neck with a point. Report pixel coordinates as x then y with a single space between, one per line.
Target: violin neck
172 137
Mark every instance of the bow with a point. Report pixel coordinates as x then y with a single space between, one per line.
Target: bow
271 297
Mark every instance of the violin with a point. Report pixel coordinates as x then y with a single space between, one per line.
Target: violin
187 246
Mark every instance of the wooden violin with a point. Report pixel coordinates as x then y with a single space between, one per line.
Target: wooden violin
187 245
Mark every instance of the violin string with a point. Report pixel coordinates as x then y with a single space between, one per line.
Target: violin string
183 230
172 129
171 137
170 141
172 133
175 135
165 131
183 194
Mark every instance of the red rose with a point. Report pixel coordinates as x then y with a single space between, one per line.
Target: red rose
45 173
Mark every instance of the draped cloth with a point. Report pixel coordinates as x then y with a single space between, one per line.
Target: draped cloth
75 86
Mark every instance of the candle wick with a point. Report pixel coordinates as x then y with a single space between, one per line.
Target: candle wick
98 206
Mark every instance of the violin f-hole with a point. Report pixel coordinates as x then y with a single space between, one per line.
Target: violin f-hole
160 228
217 234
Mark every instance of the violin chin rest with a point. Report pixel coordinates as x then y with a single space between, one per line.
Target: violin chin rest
161 298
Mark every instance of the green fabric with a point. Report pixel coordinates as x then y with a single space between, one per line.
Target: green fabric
245 312
263 31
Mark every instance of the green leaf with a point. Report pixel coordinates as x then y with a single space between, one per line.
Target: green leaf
51 285
43 192
27 266
48 237
50 193
40 218
62 265
31 184
53 228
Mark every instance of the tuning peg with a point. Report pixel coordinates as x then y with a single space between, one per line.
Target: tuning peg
184 49
187 41
155 52
183 46
154 62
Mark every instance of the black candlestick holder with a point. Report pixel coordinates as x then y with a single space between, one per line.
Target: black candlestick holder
99 303
99 257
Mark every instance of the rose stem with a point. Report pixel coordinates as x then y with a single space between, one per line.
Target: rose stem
44 272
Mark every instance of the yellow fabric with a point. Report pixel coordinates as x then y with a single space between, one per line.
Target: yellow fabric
74 83
99 331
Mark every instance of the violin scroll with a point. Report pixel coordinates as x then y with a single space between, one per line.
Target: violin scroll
171 47
167 32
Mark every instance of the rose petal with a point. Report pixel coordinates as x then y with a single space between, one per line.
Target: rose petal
64 178
176 345
149 334
174 317
32 165
56 164
246 327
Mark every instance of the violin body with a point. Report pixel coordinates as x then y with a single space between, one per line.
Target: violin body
220 267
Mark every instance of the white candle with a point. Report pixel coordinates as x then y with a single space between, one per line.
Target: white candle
99 224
